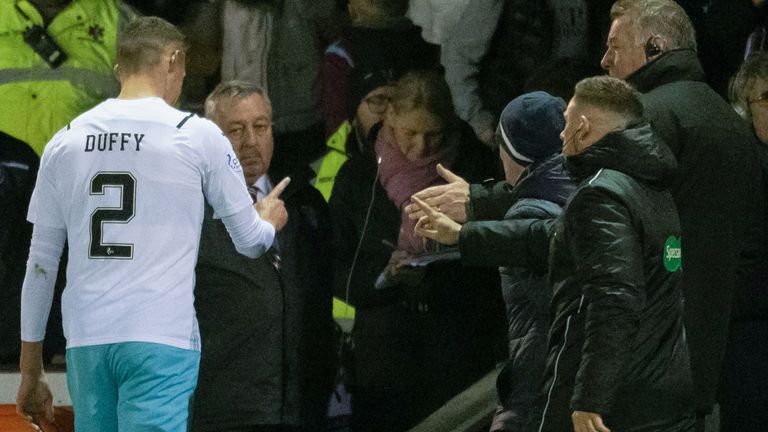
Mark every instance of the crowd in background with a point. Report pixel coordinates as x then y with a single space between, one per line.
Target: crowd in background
370 102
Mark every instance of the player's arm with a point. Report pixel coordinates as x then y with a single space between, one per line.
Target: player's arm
34 399
224 189
247 228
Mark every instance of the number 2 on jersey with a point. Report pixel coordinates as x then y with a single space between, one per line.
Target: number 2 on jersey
123 214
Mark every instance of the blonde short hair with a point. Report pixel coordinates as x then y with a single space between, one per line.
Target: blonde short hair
141 45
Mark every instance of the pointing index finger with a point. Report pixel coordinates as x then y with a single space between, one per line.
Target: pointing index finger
279 188
430 212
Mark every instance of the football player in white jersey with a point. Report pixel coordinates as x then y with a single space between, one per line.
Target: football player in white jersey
124 184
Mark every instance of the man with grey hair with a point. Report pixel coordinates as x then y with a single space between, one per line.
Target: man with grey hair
617 355
265 324
652 45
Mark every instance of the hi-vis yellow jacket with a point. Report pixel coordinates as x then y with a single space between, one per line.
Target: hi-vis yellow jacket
38 100
333 160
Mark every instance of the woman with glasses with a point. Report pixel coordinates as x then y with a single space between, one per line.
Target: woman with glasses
423 332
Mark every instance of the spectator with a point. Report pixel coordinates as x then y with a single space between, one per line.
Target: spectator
757 39
652 45
349 140
724 31
57 58
488 65
380 41
131 208
417 343
379 46
529 136
277 45
265 324
744 388
18 170
617 356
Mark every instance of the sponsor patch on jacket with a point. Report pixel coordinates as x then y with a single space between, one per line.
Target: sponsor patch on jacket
673 254
233 162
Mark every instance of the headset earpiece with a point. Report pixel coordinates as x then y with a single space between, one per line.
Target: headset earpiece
651 49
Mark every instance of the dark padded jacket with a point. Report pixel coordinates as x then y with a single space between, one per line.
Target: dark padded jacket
486 240
541 194
266 324
717 191
617 345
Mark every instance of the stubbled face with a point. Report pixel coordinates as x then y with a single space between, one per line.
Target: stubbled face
512 169
570 134
372 108
418 132
623 54
247 122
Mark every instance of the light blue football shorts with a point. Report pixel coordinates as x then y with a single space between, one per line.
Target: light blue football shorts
131 386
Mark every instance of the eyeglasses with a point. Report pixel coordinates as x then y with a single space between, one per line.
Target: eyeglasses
377 104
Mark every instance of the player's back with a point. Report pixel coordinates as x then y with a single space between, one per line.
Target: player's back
129 177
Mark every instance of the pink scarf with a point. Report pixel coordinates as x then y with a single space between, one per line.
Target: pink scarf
402 178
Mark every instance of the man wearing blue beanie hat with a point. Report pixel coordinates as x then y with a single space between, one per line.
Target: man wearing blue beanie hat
529 127
529 137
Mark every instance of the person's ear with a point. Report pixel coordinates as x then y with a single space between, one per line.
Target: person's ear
585 128
176 60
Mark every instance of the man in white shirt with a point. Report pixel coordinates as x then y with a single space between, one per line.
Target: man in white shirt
124 184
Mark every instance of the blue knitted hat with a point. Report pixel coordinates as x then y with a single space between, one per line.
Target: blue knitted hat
529 127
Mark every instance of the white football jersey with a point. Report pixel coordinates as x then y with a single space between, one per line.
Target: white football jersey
127 181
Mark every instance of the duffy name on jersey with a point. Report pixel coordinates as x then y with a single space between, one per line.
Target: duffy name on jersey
113 141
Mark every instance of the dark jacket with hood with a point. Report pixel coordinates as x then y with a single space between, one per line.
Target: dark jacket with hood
617 345
717 192
540 195
266 324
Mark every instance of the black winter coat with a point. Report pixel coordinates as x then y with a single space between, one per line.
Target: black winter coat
267 331
717 191
616 343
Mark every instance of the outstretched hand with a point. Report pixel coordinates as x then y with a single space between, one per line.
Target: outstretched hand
271 208
450 199
435 225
